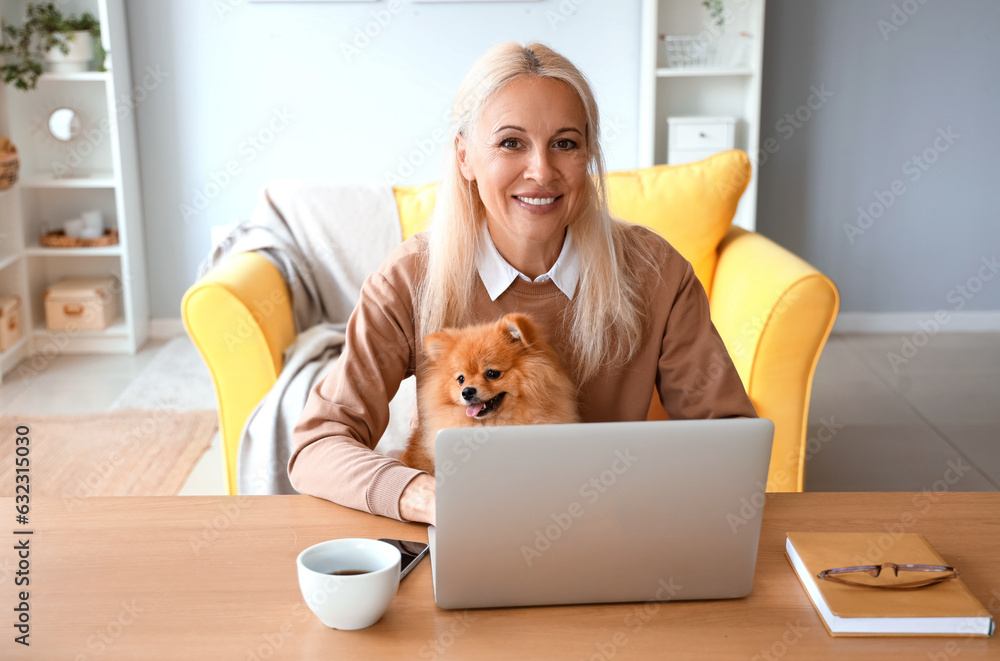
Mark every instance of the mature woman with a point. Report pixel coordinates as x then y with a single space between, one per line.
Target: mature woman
521 224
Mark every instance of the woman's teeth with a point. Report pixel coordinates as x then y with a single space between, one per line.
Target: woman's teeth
538 201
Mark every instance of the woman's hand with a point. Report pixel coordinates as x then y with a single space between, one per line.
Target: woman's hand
417 500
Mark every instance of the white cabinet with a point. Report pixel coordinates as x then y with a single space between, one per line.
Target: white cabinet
105 165
694 138
715 73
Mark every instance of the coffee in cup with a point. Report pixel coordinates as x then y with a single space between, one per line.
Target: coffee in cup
349 583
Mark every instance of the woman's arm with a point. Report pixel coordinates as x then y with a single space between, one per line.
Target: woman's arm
348 411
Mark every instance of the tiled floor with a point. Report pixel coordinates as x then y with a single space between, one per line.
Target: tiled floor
932 422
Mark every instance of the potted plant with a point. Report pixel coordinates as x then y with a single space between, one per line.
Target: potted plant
65 43
717 11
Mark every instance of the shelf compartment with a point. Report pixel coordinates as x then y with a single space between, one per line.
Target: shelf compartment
47 209
40 152
44 271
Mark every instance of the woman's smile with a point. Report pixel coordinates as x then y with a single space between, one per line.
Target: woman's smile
537 205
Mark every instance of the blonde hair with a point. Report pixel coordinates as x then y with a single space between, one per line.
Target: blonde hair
606 316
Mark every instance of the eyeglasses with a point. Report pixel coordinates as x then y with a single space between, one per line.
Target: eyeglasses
903 576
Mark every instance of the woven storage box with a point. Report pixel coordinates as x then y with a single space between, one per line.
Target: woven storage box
80 303
9 164
11 321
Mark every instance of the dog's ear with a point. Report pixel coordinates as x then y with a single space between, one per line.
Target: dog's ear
436 345
520 328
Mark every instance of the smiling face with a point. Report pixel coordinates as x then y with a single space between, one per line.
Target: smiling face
529 159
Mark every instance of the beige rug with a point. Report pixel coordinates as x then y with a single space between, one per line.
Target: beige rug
116 453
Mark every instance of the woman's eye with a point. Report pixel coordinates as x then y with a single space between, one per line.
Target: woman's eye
461 379
492 374
514 143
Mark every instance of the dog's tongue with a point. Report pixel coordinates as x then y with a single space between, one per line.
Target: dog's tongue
474 409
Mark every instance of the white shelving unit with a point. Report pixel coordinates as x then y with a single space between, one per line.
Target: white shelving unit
107 153
732 91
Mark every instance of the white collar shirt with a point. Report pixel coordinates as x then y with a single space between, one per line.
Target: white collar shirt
498 275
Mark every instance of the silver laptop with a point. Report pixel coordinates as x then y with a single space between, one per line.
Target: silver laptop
598 512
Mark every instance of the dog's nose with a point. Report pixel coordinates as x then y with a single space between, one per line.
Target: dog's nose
468 393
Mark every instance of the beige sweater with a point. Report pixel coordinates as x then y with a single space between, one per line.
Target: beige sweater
346 413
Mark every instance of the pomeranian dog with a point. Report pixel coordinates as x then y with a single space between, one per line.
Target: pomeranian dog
502 373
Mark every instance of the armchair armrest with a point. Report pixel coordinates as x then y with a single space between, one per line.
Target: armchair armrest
239 316
774 311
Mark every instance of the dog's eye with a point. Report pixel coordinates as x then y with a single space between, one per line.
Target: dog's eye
461 379
492 374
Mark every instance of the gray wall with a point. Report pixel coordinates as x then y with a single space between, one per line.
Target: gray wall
894 91
274 90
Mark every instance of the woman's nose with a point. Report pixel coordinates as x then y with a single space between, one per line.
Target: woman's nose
540 166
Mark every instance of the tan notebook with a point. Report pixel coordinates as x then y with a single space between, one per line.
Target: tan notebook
947 608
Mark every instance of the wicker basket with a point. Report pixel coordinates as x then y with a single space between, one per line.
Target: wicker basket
700 53
58 239
9 164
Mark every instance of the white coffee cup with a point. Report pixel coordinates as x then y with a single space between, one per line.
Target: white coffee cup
352 601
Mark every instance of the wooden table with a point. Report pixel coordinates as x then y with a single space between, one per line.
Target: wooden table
214 578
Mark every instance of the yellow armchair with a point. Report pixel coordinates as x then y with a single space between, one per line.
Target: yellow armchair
773 310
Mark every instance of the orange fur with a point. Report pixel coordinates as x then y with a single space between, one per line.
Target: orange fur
537 390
